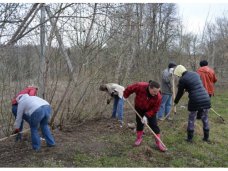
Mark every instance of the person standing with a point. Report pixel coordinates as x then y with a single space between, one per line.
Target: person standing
147 103
208 78
198 99
166 92
38 111
31 91
116 93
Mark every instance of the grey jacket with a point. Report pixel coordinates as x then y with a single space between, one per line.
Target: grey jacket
166 83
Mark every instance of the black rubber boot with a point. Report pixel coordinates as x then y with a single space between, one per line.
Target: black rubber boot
190 136
206 135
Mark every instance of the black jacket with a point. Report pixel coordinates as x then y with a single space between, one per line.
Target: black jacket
198 96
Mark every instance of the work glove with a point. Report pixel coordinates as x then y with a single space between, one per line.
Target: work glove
108 101
114 93
171 70
144 120
17 130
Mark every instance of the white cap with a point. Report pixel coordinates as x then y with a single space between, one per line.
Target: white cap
179 70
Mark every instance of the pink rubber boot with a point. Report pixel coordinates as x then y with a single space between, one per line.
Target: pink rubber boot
139 138
159 145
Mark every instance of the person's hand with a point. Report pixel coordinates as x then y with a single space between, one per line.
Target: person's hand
171 70
17 130
108 101
144 120
114 93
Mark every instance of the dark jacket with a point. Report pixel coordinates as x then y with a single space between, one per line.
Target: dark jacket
198 96
143 100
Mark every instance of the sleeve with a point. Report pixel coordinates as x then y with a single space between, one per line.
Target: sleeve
180 92
214 78
154 109
129 90
18 120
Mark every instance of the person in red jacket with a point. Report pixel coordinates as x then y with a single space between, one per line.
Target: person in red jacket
208 78
31 91
147 103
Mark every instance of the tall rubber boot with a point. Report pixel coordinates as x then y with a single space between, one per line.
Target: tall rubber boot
206 135
158 144
189 135
139 138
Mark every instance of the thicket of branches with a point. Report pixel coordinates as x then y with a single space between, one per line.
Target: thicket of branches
90 44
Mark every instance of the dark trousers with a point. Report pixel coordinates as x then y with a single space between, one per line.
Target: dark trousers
152 122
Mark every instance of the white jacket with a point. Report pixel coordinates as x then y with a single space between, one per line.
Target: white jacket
27 105
112 87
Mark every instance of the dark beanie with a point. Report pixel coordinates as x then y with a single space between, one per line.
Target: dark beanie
171 65
203 63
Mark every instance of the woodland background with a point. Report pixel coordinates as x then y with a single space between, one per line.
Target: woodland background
68 50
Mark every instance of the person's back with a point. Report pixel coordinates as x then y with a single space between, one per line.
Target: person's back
30 103
39 111
207 76
198 97
30 90
115 87
166 81
27 105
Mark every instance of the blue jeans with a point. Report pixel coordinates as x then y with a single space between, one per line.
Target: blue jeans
24 117
41 116
165 105
118 106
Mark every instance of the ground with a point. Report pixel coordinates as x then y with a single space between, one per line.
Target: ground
102 143
72 139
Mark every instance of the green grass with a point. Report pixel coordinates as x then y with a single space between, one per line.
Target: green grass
119 151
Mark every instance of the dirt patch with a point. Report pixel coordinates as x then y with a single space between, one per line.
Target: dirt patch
69 141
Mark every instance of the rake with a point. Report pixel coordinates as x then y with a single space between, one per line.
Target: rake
218 114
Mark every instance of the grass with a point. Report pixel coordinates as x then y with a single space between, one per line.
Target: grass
120 153
105 147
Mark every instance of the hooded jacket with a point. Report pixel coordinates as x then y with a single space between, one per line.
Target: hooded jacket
198 97
27 105
208 78
143 100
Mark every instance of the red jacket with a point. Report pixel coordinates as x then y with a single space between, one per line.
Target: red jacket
144 101
31 91
208 78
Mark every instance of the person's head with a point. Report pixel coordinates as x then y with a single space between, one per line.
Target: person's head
154 88
103 87
179 70
203 63
172 65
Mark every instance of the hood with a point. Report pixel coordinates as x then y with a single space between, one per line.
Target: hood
21 97
205 69
179 70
